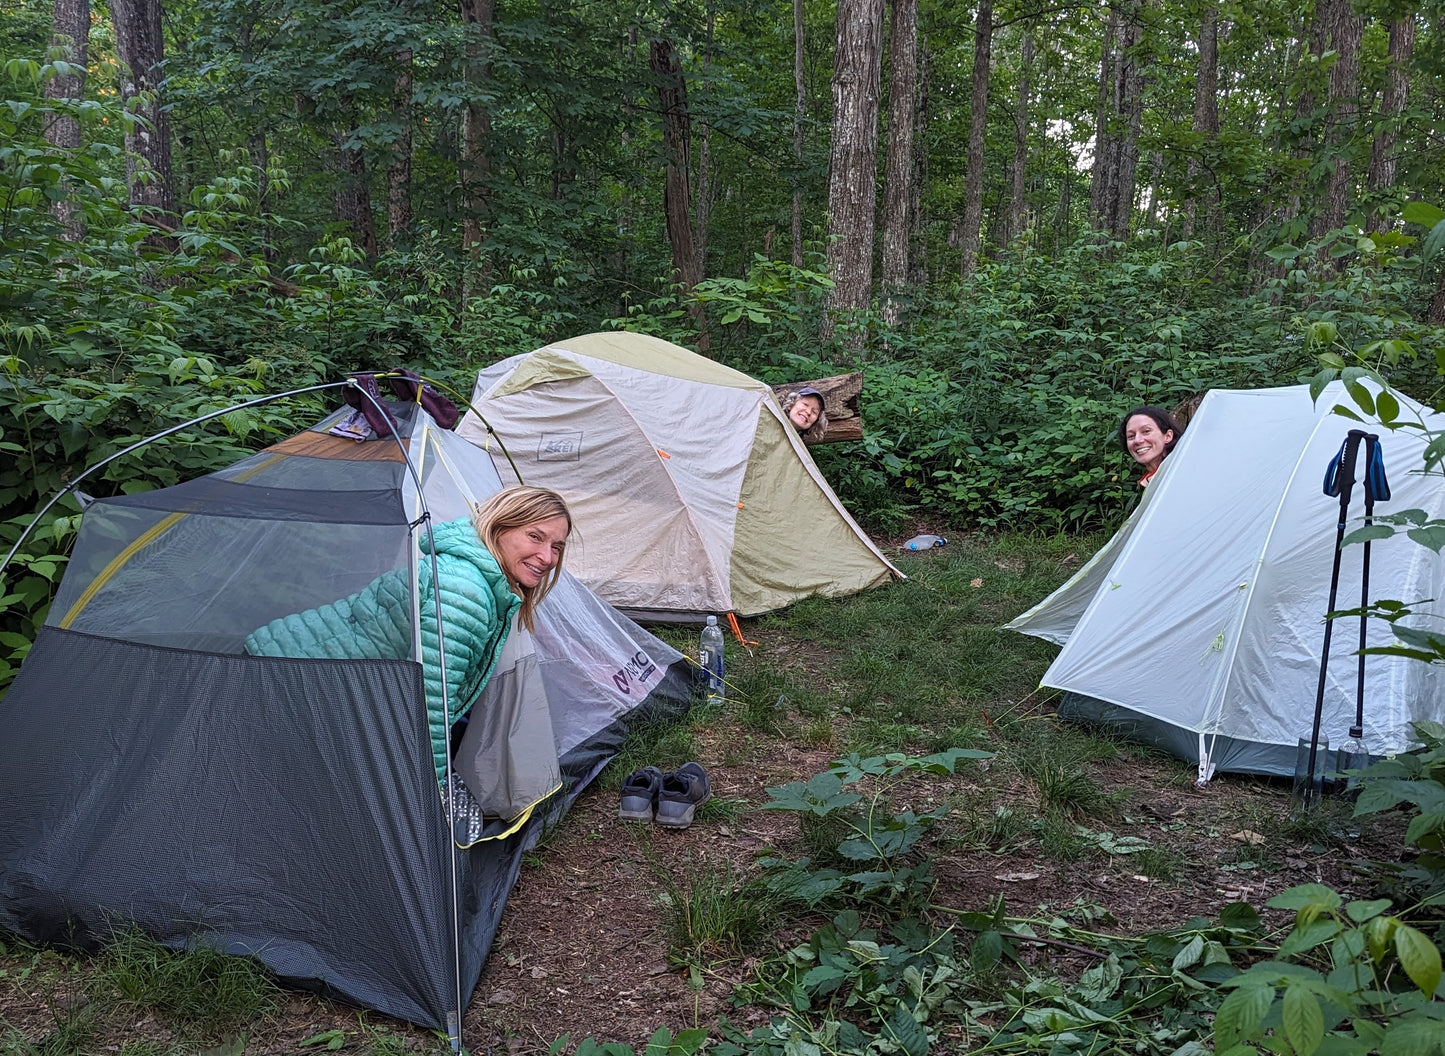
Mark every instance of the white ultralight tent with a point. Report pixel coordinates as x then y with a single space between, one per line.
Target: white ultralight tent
1200 625
690 491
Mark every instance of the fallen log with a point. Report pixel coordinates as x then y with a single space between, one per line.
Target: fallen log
841 396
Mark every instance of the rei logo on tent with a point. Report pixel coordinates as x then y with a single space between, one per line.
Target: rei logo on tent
560 447
637 672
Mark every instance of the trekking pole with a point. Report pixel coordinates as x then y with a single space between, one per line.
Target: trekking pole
1339 480
1377 489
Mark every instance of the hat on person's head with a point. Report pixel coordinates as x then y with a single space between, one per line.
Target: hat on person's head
808 390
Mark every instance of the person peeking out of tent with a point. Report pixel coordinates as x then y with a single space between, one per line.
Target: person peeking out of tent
492 569
805 410
1148 434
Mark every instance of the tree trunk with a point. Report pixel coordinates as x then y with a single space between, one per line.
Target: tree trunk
704 193
353 196
853 159
478 17
398 176
1106 159
800 114
977 126
1345 29
1131 115
147 142
69 29
898 180
1206 121
1018 209
677 186
1392 106
918 222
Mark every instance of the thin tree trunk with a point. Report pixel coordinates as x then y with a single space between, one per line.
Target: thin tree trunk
398 176
353 197
69 29
1206 116
898 180
1018 208
800 114
977 126
918 222
1131 112
148 141
1346 28
677 186
478 17
1105 151
705 193
1392 106
853 159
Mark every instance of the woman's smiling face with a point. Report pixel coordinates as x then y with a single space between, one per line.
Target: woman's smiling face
1145 441
527 554
804 412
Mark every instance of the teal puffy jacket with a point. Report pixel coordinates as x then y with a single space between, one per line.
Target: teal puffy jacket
375 623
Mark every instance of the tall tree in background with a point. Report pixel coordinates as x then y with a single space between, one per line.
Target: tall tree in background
1395 98
398 173
1206 124
853 157
800 114
1018 208
1121 115
147 140
898 178
918 178
69 29
977 131
352 201
1345 29
687 261
477 21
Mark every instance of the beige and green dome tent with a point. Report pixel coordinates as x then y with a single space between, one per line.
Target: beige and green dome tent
691 492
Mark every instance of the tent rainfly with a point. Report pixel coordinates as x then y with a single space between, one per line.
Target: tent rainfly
1200 625
692 493
157 774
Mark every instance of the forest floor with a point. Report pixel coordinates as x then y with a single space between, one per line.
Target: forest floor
1061 821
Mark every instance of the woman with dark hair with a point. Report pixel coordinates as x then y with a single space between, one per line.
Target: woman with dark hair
1148 434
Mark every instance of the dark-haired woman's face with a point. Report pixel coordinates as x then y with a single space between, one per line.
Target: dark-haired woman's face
1145 441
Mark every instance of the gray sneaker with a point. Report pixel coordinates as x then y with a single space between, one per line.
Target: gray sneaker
639 794
683 791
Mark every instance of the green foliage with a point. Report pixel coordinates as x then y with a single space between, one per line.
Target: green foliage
1349 979
873 848
662 1043
1414 781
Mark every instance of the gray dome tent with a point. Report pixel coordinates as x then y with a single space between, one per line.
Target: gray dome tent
278 807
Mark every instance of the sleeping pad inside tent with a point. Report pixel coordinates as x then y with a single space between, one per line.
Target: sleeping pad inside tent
1200 625
289 808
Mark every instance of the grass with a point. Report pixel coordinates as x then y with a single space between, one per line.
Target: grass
713 911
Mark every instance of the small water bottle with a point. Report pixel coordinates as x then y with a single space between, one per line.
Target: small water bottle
924 542
710 659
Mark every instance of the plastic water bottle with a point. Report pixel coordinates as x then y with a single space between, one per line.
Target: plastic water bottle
710 659
924 542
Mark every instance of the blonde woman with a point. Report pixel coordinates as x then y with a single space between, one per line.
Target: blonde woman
493 567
